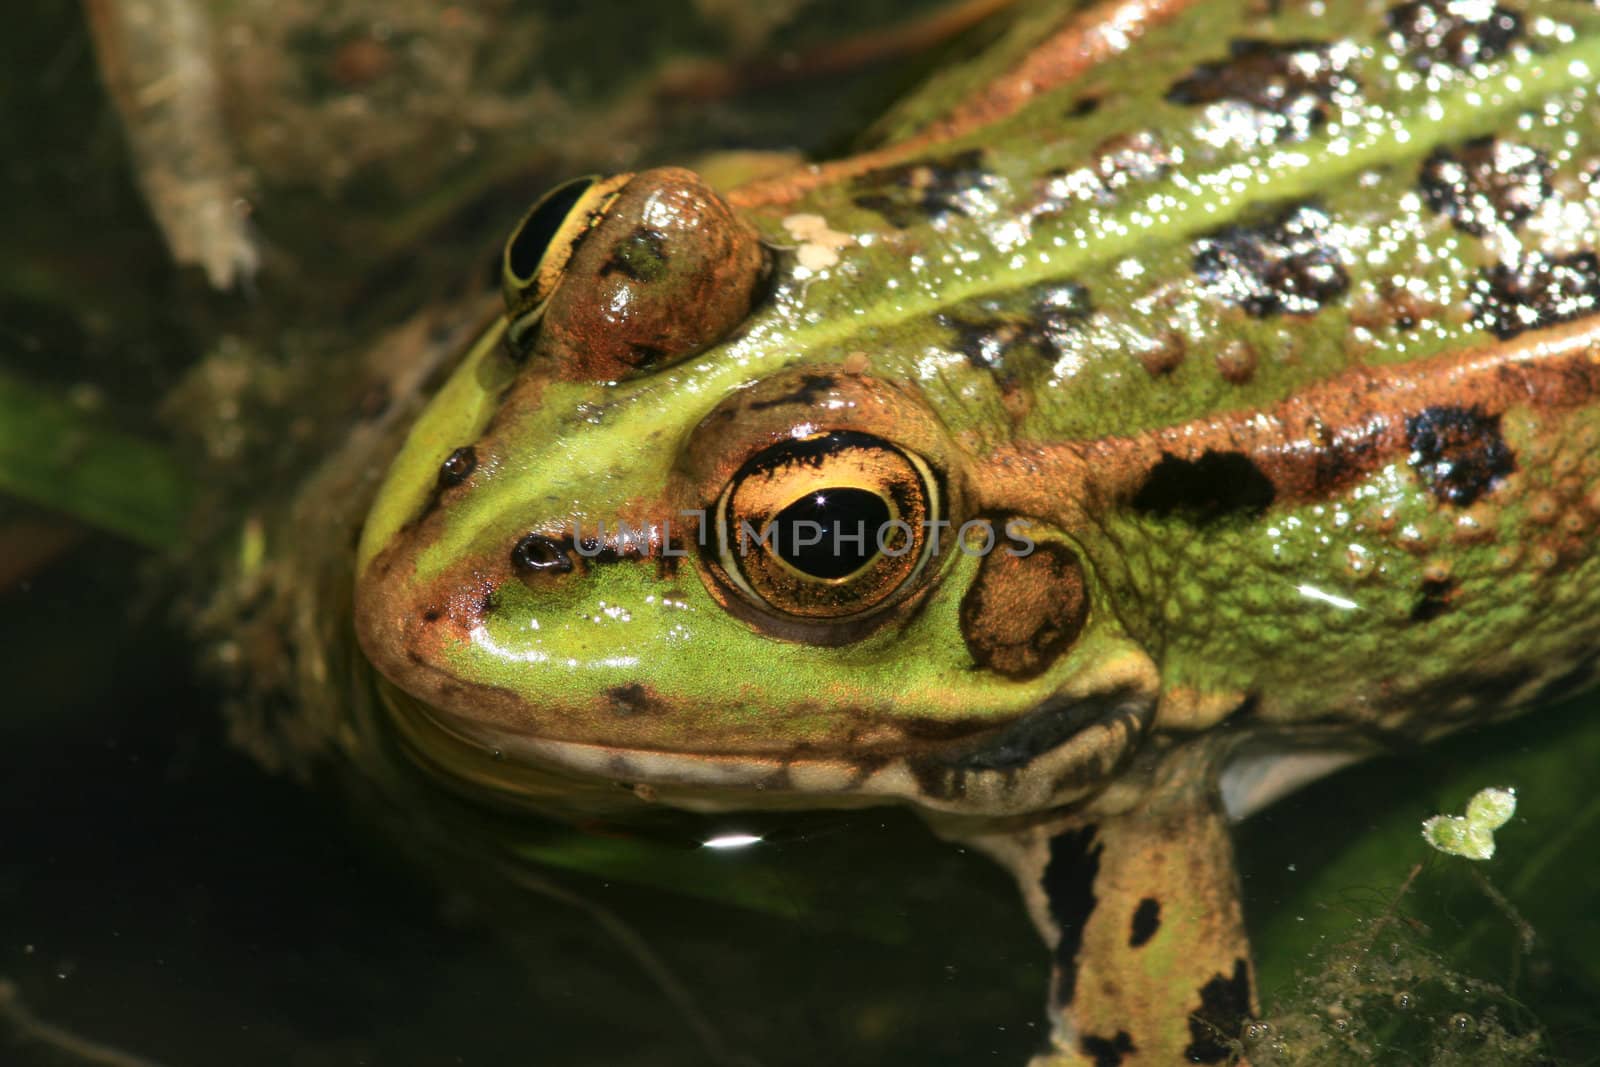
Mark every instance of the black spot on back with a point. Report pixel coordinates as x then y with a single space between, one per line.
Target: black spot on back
631 699
1287 264
1485 182
1458 452
1435 599
1537 291
1128 158
1146 921
925 190
1069 890
1107 1051
1205 490
1293 80
1224 1007
987 334
1452 34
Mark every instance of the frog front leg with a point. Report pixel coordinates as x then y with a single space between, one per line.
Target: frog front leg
1140 908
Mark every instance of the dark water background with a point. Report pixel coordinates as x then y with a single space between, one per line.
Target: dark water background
162 895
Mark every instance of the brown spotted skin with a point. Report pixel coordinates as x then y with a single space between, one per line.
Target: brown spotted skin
1272 330
1023 610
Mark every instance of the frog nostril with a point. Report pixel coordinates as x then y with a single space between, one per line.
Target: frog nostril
458 466
538 554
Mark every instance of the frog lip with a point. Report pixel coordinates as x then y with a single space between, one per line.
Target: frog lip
1052 755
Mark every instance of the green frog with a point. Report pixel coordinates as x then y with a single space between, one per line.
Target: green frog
1168 404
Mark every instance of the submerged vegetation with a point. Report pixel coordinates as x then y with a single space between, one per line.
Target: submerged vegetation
1383 995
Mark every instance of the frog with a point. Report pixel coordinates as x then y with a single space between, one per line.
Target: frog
1168 404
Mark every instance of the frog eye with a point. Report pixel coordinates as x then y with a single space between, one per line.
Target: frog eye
828 527
538 250
608 279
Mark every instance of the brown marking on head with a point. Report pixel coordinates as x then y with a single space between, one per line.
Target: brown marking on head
810 389
1024 611
405 632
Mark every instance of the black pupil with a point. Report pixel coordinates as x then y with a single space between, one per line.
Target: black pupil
529 243
832 533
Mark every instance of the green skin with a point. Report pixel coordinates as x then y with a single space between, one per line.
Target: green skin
1346 582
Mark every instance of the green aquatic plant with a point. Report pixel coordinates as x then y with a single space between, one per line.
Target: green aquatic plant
1471 836
1384 994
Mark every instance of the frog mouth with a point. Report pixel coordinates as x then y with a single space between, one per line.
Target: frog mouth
1053 755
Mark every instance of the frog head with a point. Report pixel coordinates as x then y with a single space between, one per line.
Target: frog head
691 517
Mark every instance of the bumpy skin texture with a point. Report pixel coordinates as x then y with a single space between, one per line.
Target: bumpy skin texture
1276 333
